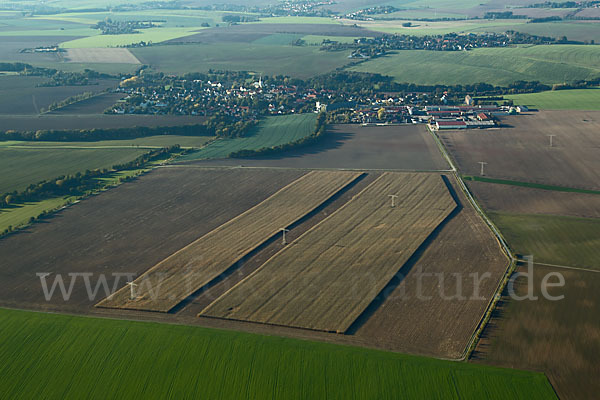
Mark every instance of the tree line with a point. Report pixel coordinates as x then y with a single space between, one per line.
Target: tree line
80 184
318 134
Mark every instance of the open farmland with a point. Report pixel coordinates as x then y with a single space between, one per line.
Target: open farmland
22 167
550 239
308 284
435 302
100 358
145 142
498 66
270 59
406 147
522 151
577 99
19 95
100 55
583 31
60 121
95 105
128 230
247 33
559 338
154 35
272 131
523 200
175 278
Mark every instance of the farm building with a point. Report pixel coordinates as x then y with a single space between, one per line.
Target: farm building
450 125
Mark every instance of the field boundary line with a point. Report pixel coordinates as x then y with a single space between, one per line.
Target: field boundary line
564 267
86 147
472 343
530 185
191 164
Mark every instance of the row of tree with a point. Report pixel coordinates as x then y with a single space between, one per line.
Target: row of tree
92 135
81 183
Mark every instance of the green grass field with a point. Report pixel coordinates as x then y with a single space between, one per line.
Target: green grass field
271 59
552 239
22 167
57 356
19 215
500 66
273 131
577 99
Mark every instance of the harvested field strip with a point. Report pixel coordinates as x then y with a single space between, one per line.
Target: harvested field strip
174 279
326 278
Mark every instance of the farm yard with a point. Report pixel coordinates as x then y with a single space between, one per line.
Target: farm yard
557 337
272 131
173 361
366 235
406 147
521 151
180 275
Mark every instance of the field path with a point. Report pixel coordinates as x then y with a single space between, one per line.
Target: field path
174 279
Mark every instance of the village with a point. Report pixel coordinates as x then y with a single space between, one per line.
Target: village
255 98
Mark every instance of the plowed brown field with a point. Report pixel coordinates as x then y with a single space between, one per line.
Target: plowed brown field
522 151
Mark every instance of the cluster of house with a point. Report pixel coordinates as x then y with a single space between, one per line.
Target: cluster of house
206 98
438 117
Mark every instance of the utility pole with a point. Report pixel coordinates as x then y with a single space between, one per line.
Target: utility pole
132 286
482 165
283 230
551 140
394 197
